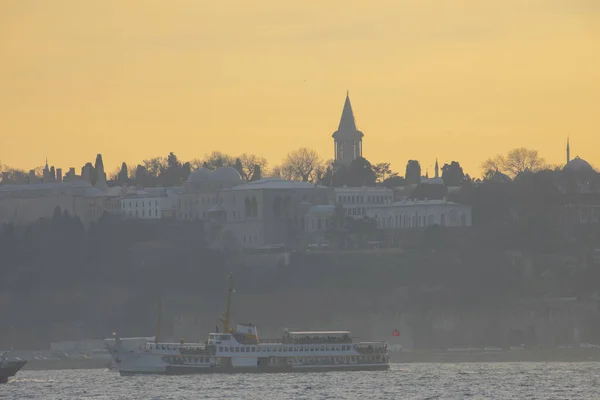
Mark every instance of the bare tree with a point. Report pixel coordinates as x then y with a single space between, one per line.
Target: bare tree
197 163
218 159
516 161
303 164
155 166
249 162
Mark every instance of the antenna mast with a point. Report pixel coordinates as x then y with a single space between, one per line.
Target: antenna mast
158 320
226 322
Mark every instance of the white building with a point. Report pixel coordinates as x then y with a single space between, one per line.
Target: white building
400 215
356 200
150 203
420 214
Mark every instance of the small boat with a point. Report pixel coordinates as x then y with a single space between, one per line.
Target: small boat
240 350
9 366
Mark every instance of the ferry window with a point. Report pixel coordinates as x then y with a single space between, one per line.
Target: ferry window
248 349
220 348
243 349
253 349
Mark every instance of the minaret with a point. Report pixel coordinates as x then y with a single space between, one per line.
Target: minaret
347 140
437 169
568 151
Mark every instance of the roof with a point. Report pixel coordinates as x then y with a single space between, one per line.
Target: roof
226 174
424 203
578 165
44 186
362 189
320 333
199 175
347 122
276 183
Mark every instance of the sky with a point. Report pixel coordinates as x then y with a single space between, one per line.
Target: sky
453 79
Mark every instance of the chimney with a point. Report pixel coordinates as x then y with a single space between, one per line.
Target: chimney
59 175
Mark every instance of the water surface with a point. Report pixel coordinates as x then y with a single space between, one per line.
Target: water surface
403 381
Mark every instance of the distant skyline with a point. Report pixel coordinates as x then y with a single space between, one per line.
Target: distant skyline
460 80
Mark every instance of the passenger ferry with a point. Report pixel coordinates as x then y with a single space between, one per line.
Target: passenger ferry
241 350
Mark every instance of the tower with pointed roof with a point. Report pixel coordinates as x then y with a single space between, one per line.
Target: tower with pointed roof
568 151
347 140
437 169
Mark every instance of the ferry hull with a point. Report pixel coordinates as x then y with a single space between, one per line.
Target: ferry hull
191 370
10 369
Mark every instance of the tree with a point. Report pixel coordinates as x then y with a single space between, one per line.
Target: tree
248 164
516 161
256 174
123 175
218 159
239 167
303 165
381 170
99 163
154 167
452 174
14 175
358 173
172 173
394 181
413 172
92 171
141 176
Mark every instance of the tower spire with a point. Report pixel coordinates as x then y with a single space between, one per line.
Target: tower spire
568 151
437 168
347 122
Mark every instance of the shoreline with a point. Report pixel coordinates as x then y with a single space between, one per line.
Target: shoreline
475 356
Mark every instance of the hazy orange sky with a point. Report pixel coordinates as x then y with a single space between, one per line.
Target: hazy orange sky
454 79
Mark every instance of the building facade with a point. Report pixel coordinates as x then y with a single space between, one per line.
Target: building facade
356 200
150 203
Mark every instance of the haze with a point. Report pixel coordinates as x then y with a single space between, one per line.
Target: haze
457 80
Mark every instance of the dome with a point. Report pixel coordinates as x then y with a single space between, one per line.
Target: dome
226 174
578 165
199 175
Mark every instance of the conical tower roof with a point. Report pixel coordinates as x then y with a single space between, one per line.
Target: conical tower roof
347 122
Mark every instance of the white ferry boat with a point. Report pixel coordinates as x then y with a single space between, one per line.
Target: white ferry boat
241 350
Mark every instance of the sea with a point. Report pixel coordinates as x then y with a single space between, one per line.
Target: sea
403 381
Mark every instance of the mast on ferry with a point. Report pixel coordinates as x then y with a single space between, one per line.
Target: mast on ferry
158 320
226 321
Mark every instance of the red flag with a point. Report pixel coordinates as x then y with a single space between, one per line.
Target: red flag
396 332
